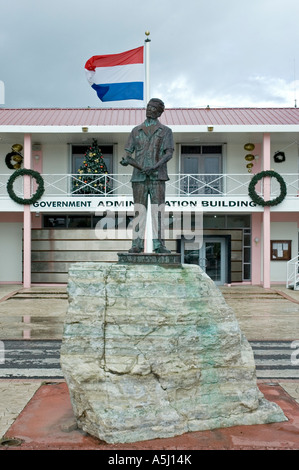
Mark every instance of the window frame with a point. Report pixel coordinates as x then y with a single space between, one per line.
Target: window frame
201 158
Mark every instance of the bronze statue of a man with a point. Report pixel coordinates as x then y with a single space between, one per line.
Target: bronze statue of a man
153 145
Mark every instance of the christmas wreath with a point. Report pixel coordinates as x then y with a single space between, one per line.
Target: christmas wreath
16 157
279 157
258 199
37 195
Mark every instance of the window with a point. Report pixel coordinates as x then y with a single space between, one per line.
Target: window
78 153
226 221
246 254
70 221
204 165
53 221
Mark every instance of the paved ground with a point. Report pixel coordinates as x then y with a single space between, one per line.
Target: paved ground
265 314
38 314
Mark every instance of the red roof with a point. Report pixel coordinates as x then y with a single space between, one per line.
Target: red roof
134 116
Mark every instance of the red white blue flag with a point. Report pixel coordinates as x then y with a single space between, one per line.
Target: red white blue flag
117 77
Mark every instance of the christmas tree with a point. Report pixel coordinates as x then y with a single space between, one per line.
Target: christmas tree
93 173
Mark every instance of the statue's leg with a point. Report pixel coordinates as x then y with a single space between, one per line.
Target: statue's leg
157 193
140 193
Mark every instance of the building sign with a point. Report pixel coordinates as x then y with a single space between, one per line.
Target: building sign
125 204
97 204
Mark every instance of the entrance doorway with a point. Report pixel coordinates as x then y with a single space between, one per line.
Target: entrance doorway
212 257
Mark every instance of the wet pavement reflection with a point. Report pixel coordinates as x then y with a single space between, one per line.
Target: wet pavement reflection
39 312
36 313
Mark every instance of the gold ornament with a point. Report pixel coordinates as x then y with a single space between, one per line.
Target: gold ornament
17 158
249 157
17 147
249 147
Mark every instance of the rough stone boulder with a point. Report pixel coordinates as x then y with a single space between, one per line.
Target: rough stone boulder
153 351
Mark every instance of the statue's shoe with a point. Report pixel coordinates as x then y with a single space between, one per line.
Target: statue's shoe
135 249
162 249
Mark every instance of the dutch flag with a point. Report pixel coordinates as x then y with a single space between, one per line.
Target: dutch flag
117 77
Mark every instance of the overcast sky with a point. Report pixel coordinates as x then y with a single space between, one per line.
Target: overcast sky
227 53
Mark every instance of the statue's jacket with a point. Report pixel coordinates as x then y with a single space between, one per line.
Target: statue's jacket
151 144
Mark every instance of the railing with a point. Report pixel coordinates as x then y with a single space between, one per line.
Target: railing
293 273
178 185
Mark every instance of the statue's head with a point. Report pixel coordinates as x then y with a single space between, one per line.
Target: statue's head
155 108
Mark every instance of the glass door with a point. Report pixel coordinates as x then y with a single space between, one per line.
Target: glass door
211 257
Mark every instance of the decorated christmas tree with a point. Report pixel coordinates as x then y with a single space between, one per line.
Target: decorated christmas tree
93 174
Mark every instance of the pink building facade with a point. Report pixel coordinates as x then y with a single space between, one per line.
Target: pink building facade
210 173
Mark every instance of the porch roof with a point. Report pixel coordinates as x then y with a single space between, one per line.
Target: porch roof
37 117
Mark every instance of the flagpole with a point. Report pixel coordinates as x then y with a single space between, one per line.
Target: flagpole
147 68
148 242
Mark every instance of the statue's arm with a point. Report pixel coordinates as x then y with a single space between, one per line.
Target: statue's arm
166 157
128 160
130 149
168 145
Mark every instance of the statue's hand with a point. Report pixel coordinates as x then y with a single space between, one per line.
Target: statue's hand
148 171
124 162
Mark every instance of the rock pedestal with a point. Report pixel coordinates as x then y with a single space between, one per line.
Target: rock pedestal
153 351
